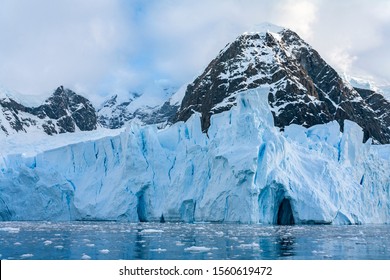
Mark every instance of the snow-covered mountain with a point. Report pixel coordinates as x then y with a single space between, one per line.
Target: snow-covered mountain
304 89
155 108
245 169
64 111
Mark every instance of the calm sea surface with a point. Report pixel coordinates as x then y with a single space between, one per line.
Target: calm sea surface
111 240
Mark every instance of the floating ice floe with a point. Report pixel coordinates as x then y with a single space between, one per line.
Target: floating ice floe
158 250
253 245
10 229
197 249
26 256
151 230
85 257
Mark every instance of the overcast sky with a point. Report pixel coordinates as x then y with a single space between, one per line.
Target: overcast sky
99 47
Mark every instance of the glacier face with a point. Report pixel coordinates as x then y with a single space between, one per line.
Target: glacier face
243 170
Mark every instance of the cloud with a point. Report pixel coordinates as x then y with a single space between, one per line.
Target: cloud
49 43
186 35
341 58
107 46
298 15
353 35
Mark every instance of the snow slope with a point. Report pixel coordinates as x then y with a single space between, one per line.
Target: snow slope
243 170
152 106
26 100
367 83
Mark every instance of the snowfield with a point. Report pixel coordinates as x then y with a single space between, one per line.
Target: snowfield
244 170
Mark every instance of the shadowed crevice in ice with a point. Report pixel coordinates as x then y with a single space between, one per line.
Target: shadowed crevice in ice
5 213
285 214
142 206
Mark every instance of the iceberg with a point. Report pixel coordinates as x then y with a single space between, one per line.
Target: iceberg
243 170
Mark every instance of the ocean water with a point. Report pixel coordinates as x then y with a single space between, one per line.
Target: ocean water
113 241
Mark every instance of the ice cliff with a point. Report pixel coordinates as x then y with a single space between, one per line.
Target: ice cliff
244 170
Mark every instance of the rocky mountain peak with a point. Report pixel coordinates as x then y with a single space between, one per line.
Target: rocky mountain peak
304 89
64 111
59 91
112 101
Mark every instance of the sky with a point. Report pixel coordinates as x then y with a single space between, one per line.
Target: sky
102 47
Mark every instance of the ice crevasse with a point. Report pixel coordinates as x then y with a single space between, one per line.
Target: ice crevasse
244 170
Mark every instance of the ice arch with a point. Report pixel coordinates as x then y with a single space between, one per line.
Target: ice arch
275 206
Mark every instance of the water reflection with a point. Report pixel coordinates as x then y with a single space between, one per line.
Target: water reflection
141 246
190 241
285 242
280 243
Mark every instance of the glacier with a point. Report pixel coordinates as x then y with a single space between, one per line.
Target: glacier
243 170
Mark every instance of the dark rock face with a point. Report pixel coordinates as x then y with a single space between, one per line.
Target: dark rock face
117 115
11 109
63 112
304 89
160 114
